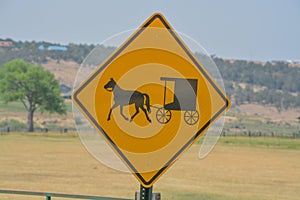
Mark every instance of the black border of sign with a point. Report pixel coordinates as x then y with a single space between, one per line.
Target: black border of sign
149 183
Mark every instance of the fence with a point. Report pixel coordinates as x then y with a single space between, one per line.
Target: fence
41 130
260 133
49 195
225 132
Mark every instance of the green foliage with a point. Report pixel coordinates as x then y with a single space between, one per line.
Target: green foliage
275 75
280 99
33 86
278 82
263 142
15 107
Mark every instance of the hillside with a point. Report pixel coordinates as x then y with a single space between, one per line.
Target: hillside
265 95
64 71
267 83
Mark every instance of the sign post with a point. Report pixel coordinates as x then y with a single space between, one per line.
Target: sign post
151 99
146 193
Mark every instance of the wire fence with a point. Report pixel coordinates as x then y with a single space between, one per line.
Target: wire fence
49 195
260 133
228 130
40 130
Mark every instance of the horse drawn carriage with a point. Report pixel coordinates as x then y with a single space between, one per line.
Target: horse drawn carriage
184 99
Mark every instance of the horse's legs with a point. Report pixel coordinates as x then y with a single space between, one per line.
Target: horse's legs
136 112
145 111
121 112
113 107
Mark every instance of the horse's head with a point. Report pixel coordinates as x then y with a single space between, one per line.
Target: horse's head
110 85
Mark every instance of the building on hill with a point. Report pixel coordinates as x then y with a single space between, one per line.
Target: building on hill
41 47
53 48
57 48
6 44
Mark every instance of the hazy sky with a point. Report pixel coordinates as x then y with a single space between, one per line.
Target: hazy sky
242 29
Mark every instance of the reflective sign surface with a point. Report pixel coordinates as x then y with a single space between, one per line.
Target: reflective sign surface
151 99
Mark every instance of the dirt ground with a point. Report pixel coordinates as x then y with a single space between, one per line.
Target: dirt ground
61 164
64 71
270 112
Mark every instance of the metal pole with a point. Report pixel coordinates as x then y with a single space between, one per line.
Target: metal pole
299 127
145 193
48 197
297 134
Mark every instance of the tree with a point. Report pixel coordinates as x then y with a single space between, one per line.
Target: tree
35 87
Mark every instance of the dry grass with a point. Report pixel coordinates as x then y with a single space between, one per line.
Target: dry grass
270 112
59 163
64 71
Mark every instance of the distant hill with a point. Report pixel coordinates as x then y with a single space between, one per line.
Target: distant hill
275 83
42 52
267 83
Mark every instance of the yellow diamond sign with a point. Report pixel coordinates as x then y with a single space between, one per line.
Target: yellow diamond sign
151 99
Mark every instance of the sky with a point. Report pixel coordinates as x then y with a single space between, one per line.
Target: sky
259 30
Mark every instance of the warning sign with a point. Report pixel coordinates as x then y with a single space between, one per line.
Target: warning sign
151 99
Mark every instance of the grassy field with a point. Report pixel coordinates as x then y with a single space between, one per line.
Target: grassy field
14 114
238 168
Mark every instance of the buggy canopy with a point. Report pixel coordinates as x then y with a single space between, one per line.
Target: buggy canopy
185 93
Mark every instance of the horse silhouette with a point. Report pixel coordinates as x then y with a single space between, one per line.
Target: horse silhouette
127 97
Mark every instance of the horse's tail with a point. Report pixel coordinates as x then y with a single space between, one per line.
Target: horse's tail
147 102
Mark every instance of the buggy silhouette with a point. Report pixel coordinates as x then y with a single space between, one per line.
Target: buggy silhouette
185 93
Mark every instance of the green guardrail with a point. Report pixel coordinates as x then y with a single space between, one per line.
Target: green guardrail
49 195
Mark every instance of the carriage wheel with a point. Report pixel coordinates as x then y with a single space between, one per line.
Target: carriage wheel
191 117
163 116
